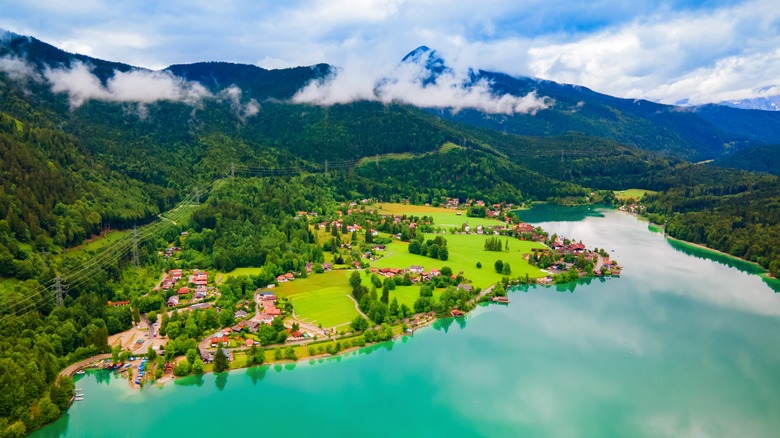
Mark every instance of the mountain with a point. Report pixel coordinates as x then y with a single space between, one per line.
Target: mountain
771 103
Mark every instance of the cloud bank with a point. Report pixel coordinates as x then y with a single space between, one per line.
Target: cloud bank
133 86
141 86
409 83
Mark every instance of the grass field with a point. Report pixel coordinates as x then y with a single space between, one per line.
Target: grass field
633 193
321 298
442 217
465 250
239 272
405 294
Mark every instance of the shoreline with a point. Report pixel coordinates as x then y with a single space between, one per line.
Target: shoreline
764 272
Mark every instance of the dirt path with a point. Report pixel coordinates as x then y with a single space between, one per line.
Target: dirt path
357 307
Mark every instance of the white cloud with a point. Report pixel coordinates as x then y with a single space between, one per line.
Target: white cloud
406 84
243 111
140 86
18 69
726 53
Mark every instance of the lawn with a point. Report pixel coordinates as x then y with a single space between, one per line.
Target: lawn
321 298
633 193
443 217
465 250
405 294
239 272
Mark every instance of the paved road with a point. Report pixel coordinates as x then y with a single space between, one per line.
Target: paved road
71 369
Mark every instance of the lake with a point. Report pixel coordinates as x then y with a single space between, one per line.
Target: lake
683 344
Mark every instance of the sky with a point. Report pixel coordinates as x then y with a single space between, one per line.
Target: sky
667 51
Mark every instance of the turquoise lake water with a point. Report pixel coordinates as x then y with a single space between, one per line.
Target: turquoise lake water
680 345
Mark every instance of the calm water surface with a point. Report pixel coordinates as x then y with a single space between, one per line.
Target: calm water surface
681 345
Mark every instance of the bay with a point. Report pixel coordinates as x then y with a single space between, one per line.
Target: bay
682 344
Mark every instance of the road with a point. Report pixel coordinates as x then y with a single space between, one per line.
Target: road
71 369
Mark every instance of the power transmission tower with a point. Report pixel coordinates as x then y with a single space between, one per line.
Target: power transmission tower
232 170
59 291
197 196
136 258
326 166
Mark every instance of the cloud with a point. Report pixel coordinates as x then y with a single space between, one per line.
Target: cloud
722 54
243 111
141 86
408 84
18 69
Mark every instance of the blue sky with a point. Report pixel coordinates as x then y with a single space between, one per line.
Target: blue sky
668 51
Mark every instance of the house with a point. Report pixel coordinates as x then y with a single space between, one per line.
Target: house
416 269
117 303
228 353
167 283
327 266
249 342
199 278
524 228
175 274
557 244
241 314
173 301
374 232
183 291
206 357
435 272
268 297
309 267
281 279
265 318
272 311
380 247
200 306
466 287
289 276
457 313
238 327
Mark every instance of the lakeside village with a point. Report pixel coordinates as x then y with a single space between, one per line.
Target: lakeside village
192 322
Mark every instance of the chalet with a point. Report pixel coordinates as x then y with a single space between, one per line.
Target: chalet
206 357
545 280
117 303
253 326
435 272
466 287
199 278
297 334
272 311
167 283
268 297
200 306
416 269
265 318
238 327
241 314
281 279
309 267
557 244
327 266
219 338
457 313
183 291
576 248
289 276
249 342
480 230
380 247
228 353
175 274
374 233
524 228
198 295
173 301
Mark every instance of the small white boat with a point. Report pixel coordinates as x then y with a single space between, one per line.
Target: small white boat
80 372
79 398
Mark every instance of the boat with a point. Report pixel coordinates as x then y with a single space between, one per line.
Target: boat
78 398
80 372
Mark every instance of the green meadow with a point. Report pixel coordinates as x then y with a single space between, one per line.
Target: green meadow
321 298
633 193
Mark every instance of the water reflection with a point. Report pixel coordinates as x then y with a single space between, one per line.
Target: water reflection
257 373
193 380
221 380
